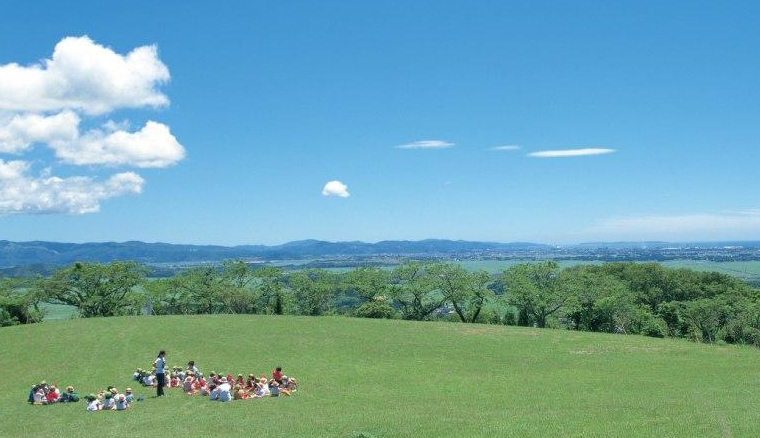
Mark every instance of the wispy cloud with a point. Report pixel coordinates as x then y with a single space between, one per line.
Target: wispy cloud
511 147
426 144
564 153
709 226
335 188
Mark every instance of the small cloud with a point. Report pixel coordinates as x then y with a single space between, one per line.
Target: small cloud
512 147
571 153
335 188
426 144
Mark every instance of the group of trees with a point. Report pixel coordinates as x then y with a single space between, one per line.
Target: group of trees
633 298
19 302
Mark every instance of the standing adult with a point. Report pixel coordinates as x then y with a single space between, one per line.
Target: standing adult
160 364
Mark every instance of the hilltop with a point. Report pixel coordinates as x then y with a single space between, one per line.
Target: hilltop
385 378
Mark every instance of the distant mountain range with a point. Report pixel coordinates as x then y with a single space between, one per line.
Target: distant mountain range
46 254
38 252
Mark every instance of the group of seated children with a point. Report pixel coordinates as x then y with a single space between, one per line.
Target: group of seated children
44 394
220 387
110 400
144 377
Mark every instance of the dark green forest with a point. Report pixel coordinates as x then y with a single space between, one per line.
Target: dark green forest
624 297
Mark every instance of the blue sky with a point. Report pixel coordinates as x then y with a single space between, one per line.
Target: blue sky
270 101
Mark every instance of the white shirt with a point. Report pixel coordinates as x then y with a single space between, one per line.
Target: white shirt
93 405
224 392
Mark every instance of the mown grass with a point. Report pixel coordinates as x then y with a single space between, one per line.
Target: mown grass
385 379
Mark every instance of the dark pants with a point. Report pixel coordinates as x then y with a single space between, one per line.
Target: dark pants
161 381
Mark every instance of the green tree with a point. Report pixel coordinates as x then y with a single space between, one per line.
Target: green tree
705 317
314 291
197 290
95 289
378 308
271 281
19 302
368 282
535 289
467 292
595 299
413 290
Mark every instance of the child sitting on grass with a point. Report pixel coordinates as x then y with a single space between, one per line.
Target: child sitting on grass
109 402
128 395
213 393
39 396
121 403
224 391
93 404
250 383
258 390
188 385
277 375
69 396
274 388
52 394
240 393
174 381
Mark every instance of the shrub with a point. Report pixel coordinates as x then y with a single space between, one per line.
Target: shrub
377 308
654 327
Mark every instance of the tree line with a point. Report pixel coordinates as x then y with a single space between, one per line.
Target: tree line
624 297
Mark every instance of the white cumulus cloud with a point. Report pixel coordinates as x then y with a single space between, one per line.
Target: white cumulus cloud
563 153
19 131
335 188
54 103
23 193
83 75
426 144
151 146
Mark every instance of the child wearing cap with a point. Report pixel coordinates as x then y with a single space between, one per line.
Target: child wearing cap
187 385
250 383
69 395
121 403
240 393
200 382
213 393
258 390
109 402
39 396
93 404
128 395
224 391
274 388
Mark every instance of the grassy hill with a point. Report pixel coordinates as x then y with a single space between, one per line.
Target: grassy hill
385 379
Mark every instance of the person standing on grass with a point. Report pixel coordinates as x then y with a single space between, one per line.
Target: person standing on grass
160 364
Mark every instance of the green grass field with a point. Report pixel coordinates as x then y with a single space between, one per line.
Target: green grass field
385 379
